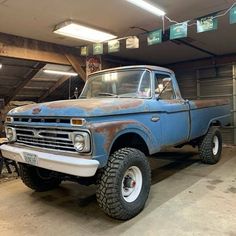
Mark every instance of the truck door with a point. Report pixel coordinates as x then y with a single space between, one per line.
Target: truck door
174 111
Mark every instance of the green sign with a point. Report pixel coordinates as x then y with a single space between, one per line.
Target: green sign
232 15
179 30
207 24
84 51
154 37
113 46
97 48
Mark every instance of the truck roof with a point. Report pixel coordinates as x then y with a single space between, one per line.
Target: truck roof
149 67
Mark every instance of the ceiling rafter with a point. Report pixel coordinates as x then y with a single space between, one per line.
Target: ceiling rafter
54 87
27 78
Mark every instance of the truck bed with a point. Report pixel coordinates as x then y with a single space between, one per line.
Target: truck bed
205 112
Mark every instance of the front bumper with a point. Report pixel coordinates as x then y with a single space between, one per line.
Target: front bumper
65 164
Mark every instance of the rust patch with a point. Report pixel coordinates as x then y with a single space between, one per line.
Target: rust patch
210 103
109 130
104 104
36 110
23 108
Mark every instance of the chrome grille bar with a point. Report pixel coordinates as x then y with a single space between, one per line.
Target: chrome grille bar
45 138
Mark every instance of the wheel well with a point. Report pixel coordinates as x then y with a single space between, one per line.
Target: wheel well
215 123
131 140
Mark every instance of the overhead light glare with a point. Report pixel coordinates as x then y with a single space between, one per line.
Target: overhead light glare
0 66
58 72
148 7
78 31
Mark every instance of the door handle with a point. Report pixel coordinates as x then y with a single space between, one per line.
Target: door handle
155 118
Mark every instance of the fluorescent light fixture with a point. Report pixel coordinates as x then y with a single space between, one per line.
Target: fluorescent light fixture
78 31
59 72
148 7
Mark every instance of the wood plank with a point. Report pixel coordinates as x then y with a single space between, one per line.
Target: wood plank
76 63
21 85
37 79
35 88
30 49
54 87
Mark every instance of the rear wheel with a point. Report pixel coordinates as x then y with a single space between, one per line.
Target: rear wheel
210 147
124 184
39 179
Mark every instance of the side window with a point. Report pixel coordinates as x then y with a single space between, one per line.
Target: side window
164 87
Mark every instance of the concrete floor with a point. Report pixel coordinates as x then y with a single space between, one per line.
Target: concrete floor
186 198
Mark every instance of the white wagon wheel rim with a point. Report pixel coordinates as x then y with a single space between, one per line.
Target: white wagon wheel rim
132 184
215 145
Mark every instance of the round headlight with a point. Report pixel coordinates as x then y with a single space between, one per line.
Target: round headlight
79 143
10 134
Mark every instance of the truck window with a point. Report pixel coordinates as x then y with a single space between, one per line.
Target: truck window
160 84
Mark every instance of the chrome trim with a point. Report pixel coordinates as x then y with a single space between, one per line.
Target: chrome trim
50 127
44 138
11 119
82 119
50 145
14 136
54 151
36 134
87 141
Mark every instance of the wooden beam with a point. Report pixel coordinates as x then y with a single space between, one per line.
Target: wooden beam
38 79
203 63
76 63
35 88
54 87
30 49
27 78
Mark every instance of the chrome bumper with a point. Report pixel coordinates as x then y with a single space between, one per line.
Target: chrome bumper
65 164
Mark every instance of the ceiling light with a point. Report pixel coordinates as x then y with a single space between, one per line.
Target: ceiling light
78 31
58 72
148 7
0 66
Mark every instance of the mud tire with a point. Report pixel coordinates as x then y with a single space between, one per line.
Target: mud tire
38 179
210 147
110 191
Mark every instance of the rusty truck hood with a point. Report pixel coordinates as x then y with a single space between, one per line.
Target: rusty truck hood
83 108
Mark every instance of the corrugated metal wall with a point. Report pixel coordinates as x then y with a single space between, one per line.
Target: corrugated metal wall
210 83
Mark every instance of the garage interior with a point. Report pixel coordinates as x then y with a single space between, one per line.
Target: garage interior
187 197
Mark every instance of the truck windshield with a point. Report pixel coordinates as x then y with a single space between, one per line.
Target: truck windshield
122 84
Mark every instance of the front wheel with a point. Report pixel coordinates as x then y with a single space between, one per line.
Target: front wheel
38 179
210 146
124 184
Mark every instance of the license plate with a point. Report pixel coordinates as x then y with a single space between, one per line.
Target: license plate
30 158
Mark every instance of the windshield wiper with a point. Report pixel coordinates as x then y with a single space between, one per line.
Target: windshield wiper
108 94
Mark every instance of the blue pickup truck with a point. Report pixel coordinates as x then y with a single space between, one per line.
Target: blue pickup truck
123 116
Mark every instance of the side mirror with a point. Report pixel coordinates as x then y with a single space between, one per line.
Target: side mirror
166 82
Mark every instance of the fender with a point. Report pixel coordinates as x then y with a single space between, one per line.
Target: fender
104 134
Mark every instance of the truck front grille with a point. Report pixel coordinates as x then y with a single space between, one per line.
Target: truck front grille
45 138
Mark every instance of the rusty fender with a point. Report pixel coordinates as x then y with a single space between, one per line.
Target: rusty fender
105 133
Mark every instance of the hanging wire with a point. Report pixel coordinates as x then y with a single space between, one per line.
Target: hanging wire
225 13
212 17
171 21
